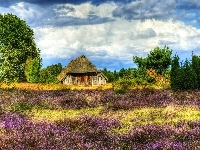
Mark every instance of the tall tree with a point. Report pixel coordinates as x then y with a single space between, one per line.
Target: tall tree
16 46
196 67
122 72
188 76
175 74
158 59
183 77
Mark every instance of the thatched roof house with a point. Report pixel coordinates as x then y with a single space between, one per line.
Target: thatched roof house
81 71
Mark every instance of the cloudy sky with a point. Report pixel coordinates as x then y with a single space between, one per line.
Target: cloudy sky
109 32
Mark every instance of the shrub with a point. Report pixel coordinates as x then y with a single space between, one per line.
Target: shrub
123 84
120 91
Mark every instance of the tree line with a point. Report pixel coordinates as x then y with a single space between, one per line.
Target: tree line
183 75
20 61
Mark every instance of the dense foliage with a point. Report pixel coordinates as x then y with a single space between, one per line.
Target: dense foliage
112 76
185 76
158 59
123 73
50 73
142 77
16 45
196 67
32 72
152 70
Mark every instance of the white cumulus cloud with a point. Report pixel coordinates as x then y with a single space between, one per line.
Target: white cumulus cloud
118 40
109 34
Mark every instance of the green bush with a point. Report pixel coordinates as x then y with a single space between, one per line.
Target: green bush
123 84
120 91
138 78
50 73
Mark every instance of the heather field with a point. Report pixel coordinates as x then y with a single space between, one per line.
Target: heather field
98 119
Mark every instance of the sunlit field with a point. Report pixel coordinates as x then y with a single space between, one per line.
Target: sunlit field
40 86
36 116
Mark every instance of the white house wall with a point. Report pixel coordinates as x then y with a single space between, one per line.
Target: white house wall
98 79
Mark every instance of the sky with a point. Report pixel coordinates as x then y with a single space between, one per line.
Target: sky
109 32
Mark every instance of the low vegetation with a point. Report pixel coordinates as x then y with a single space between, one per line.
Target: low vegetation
154 106
99 119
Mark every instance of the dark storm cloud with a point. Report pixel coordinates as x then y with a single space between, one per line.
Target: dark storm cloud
7 3
127 9
54 15
71 21
187 6
47 14
146 10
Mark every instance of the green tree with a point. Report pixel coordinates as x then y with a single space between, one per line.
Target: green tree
16 45
141 62
183 77
108 74
122 72
50 73
158 59
196 67
130 72
175 74
188 76
116 75
32 70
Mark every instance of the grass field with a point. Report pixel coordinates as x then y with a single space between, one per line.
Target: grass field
36 116
40 86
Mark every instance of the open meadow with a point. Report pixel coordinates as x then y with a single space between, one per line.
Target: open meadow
34 116
153 104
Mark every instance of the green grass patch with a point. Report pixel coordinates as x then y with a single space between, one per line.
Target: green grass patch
169 115
38 114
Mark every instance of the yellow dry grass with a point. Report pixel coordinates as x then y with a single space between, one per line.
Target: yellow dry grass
55 115
40 86
43 87
169 115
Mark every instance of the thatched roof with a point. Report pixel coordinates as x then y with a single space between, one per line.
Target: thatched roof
78 65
